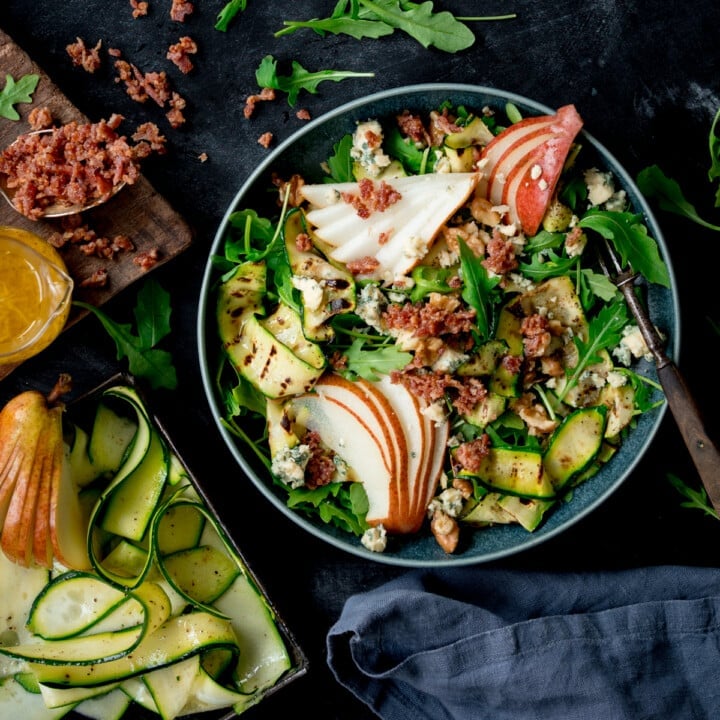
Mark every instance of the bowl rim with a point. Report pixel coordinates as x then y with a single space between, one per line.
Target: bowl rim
352 545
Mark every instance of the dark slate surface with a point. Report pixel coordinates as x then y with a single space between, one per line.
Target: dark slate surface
643 73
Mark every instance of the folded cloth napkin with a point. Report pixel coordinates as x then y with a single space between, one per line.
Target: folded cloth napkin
500 644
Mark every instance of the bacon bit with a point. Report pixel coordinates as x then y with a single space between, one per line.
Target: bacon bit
180 10
265 95
412 126
149 139
179 54
441 315
372 197
202 157
303 114
140 8
147 260
114 52
441 125
320 467
536 338
473 390
82 56
175 115
141 86
303 242
266 139
500 255
40 118
470 454
364 265
384 237
98 279
429 386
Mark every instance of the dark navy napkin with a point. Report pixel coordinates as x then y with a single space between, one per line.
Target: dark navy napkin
485 643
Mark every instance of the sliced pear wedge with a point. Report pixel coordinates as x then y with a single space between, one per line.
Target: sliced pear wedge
23 423
399 235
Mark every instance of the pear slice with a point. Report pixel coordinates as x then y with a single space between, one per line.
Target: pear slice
67 523
23 424
399 235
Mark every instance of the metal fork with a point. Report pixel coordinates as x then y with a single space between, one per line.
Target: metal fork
702 449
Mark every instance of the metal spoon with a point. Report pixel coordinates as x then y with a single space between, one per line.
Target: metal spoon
59 208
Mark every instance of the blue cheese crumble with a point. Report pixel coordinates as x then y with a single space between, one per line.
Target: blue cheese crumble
367 148
375 539
289 463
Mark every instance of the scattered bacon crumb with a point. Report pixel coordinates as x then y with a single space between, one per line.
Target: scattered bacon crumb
148 139
372 197
265 95
179 53
82 56
202 157
470 454
180 10
98 279
500 255
364 265
76 233
40 118
441 316
175 115
140 8
114 52
266 139
320 467
412 126
303 114
303 242
147 260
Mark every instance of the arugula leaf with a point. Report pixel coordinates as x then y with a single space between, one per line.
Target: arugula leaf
417 161
368 364
477 288
299 79
631 240
604 331
598 284
340 164
228 13
549 264
427 279
16 92
441 30
696 499
378 18
341 504
152 314
714 147
655 185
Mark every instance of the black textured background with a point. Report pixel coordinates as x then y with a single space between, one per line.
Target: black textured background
644 76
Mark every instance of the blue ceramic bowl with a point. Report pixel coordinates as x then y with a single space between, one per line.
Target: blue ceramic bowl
304 152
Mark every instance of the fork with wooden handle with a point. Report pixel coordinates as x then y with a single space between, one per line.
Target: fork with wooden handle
702 449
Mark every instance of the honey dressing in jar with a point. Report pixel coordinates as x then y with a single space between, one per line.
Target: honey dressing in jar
35 294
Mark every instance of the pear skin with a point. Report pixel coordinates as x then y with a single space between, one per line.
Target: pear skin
23 422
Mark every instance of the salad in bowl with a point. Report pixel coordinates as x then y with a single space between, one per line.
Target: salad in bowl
411 345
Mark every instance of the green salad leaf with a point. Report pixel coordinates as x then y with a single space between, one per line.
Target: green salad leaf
478 289
655 185
340 163
16 92
299 79
369 363
631 240
152 317
378 18
228 13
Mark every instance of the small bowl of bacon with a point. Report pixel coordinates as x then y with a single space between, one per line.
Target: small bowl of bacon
408 343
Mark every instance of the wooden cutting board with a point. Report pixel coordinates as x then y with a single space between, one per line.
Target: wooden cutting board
138 212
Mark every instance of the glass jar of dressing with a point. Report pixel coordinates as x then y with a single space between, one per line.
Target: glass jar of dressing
35 294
